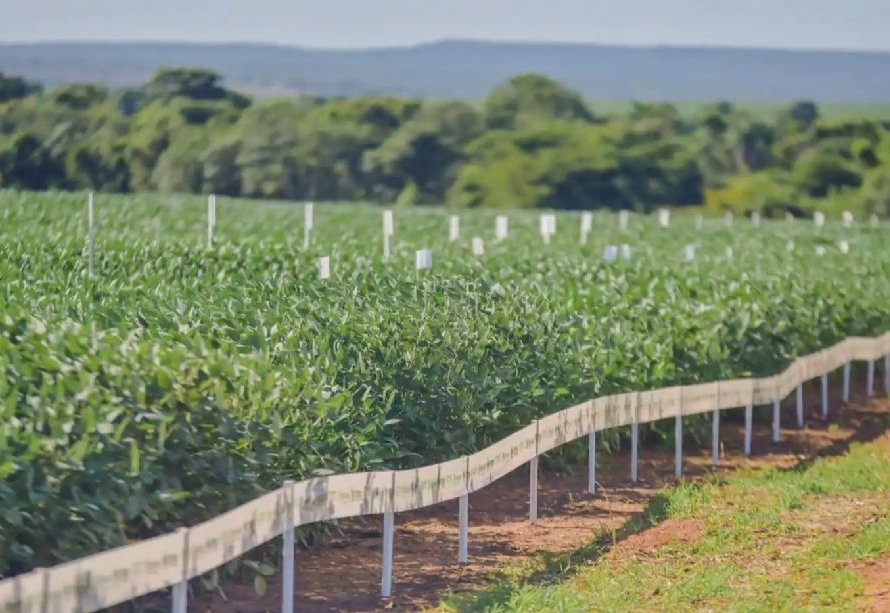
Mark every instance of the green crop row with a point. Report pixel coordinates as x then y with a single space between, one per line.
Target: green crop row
182 379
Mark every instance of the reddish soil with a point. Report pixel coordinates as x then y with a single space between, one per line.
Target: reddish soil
876 577
343 573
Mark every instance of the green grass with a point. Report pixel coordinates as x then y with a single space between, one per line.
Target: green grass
770 540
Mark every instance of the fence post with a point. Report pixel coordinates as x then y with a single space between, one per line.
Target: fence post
800 405
870 379
776 421
463 521
678 446
388 533
591 463
749 424
179 598
887 375
825 395
533 490
846 397
287 552
634 450
715 438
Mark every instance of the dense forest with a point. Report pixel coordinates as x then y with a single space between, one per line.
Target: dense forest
530 143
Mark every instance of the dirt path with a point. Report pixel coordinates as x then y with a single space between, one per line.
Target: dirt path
343 573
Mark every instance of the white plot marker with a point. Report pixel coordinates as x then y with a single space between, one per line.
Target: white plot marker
453 228
586 226
727 219
755 219
623 218
307 224
610 253
211 218
844 246
548 227
699 221
324 267
388 227
423 259
501 227
819 219
689 252
625 252
91 236
664 217
847 218
478 246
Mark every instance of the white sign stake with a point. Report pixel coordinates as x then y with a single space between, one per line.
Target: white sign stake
478 246
847 218
755 219
727 219
454 228
729 253
324 267
388 227
699 221
819 219
623 218
91 236
307 224
548 227
625 252
664 217
844 246
689 252
610 253
789 218
211 218
501 227
586 226
423 259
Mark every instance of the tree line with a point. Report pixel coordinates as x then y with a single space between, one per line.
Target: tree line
530 143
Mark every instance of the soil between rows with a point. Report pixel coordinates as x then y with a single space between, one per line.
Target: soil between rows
343 572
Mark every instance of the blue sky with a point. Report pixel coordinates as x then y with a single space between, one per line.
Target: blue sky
835 24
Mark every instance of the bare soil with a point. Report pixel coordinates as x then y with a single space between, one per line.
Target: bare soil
343 573
876 577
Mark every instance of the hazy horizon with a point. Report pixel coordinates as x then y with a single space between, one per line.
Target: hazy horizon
856 25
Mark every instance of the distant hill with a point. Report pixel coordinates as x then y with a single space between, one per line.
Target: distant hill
469 69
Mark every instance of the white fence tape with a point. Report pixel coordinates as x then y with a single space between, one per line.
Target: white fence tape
125 573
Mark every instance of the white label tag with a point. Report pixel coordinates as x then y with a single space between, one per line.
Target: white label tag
610 253
454 228
586 222
847 217
664 217
324 267
729 253
423 259
755 219
727 219
623 218
689 252
501 227
307 215
699 222
548 224
844 246
625 251
820 250
478 246
789 217
388 225
819 218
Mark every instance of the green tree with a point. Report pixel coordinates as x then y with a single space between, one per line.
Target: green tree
529 98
